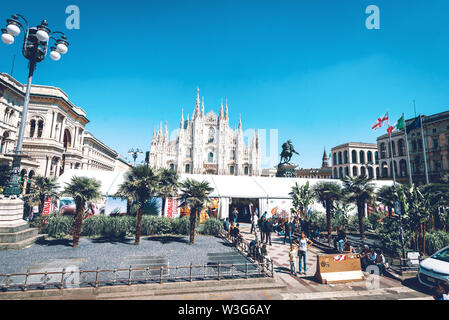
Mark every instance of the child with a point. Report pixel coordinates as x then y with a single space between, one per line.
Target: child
291 255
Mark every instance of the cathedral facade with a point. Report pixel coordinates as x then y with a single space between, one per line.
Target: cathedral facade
206 144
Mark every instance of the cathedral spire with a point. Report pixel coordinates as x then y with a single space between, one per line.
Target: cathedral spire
181 125
166 130
221 110
202 107
240 123
197 106
325 162
226 110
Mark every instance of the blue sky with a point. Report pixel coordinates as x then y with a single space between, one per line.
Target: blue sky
308 68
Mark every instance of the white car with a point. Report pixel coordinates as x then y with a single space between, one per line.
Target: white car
434 268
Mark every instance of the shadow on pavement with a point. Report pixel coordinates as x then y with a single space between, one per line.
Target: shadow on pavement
55 242
113 240
414 284
168 239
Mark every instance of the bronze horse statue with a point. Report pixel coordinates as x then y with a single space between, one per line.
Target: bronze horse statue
287 152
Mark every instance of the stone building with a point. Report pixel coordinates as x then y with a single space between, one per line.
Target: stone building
55 138
354 159
436 137
206 144
325 172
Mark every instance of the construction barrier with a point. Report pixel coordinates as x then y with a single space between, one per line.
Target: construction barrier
335 268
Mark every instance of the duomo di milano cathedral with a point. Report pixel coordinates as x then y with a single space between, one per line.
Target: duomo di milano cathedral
206 144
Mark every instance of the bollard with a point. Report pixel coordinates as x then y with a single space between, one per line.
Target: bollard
129 276
160 275
218 271
246 269
97 272
26 280
190 272
62 279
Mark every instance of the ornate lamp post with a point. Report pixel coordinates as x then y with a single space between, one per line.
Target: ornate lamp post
134 154
35 46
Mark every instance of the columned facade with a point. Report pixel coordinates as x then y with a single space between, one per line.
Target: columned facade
355 159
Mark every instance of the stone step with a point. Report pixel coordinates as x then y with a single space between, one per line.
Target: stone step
21 244
18 236
13 229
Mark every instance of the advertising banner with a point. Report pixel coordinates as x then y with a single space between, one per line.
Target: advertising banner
171 208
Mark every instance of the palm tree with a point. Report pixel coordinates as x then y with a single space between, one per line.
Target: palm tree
438 195
168 185
328 193
302 198
360 191
125 191
41 188
141 184
82 189
386 195
195 195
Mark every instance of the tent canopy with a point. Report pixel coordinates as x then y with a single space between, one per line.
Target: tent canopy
224 186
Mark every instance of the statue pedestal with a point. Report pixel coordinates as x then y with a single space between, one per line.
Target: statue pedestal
15 232
286 170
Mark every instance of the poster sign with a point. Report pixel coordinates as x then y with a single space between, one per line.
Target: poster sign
171 208
46 211
280 208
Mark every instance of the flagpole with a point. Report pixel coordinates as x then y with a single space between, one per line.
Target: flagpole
424 149
408 151
391 151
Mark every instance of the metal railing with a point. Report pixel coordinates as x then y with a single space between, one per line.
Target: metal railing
242 245
64 278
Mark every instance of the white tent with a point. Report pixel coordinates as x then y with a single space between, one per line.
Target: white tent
271 192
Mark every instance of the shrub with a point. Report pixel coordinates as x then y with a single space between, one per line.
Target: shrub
436 240
119 227
94 226
212 227
181 226
390 235
320 219
59 226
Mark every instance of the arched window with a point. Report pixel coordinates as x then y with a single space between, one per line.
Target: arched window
403 167
363 171
383 151
334 159
394 148
401 151
362 156
370 173
354 156
335 173
345 157
210 157
245 170
340 160
67 139
384 170
187 168
231 170
370 157
172 166
376 156
40 128
355 172
346 171
32 128
340 172
377 173
211 135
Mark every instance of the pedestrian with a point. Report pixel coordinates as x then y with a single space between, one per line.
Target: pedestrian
380 261
253 223
288 231
235 214
268 230
226 225
372 256
261 228
304 244
364 257
291 255
264 254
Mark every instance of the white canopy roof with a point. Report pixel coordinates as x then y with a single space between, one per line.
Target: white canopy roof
224 186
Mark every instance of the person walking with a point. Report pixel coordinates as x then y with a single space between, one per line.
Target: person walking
261 228
235 214
304 244
291 255
253 223
268 230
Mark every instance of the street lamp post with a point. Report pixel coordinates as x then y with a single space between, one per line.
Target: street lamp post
35 46
134 154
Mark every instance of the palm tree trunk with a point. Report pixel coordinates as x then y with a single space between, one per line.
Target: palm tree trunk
139 225
78 223
41 205
128 207
163 206
361 210
192 225
328 221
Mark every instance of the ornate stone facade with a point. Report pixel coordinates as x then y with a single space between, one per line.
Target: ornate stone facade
354 159
206 144
55 137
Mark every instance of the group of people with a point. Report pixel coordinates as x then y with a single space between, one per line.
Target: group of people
234 231
299 248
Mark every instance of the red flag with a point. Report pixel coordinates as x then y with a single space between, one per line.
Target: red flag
379 122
